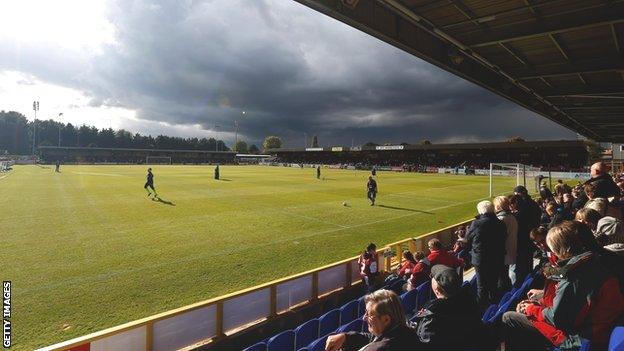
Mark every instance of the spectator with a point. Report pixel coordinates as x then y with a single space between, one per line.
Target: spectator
545 192
598 204
386 325
567 200
420 273
580 198
461 241
557 214
604 207
547 264
486 240
586 304
610 234
452 319
438 255
562 188
543 254
589 217
503 212
604 186
528 216
405 268
369 266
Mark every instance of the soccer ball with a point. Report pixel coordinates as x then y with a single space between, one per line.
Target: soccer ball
344 203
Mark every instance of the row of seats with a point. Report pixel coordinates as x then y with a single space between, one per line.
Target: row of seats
312 335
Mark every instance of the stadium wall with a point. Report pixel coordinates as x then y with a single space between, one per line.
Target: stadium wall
211 322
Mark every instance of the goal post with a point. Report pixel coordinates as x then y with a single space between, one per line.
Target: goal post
158 160
503 177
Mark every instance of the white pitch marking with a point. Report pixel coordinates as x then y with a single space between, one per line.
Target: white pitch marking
100 174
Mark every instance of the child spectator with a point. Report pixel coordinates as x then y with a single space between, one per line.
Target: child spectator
405 268
369 266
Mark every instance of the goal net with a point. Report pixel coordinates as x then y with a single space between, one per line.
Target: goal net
505 176
5 166
158 160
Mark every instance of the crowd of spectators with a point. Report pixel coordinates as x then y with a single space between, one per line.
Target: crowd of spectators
571 240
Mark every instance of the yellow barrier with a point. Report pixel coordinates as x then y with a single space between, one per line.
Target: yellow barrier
211 320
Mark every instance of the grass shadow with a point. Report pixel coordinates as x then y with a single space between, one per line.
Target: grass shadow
163 201
225 179
405 209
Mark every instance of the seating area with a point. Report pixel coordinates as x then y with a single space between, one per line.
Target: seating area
312 334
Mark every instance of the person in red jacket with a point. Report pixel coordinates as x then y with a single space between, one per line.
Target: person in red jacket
407 265
420 272
587 301
438 255
369 266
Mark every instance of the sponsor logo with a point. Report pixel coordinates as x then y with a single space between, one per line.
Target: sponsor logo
389 147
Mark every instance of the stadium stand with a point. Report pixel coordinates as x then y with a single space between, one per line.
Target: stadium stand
548 155
88 155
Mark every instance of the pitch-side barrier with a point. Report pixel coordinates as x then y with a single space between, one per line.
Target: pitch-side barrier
213 320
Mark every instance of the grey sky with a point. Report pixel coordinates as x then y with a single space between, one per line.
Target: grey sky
293 71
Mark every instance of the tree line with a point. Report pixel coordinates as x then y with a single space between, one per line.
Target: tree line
16 137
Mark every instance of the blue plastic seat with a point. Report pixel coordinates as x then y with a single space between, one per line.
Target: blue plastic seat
361 306
505 298
473 283
306 333
489 312
616 343
348 312
409 301
424 294
318 344
257 347
397 286
329 322
355 326
284 341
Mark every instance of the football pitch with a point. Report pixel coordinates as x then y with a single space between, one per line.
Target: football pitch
86 249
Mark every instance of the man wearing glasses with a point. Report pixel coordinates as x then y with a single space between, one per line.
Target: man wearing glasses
386 325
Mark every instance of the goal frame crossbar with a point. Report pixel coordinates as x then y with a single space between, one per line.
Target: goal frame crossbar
520 169
167 158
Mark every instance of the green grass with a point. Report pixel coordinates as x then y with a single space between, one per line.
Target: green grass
86 249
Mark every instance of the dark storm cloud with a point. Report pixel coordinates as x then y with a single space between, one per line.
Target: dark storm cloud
293 71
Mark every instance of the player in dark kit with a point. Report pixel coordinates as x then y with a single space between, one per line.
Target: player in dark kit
371 186
150 183
318 172
374 171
